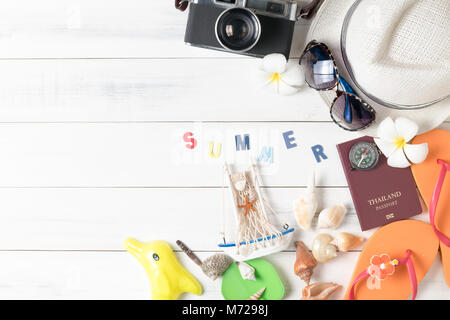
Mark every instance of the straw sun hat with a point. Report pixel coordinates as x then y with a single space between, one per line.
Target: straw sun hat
395 54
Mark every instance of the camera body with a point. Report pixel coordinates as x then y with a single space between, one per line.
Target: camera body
249 27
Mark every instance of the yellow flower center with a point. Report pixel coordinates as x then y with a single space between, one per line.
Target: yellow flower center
393 262
276 77
399 142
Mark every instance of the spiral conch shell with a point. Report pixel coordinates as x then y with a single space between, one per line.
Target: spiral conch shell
304 262
331 218
319 291
257 295
322 249
346 241
246 270
305 207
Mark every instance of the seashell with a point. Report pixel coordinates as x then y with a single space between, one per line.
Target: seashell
213 266
216 265
322 249
304 262
189 253
246 270
240 185
319 291
331 218
239 181
305 206
257 295
346 241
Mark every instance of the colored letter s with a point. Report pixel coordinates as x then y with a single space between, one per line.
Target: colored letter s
191 142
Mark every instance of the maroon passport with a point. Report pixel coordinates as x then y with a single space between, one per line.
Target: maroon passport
381 195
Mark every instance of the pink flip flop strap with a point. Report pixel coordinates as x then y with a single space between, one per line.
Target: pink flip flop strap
435 199
411 272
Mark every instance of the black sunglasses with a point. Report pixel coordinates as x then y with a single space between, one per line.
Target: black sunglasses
348 111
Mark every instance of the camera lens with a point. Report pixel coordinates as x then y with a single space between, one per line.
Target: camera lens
238 29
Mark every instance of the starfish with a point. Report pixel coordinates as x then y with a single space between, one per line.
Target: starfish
248 205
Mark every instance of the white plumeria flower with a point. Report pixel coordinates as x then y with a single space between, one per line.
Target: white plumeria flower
393 140
280 77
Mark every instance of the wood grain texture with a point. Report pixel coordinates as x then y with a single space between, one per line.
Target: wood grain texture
143 155
100 29
100 219
118 275
95 96
143 90
152 154
124 90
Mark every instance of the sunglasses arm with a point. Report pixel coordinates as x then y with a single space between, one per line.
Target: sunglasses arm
346 88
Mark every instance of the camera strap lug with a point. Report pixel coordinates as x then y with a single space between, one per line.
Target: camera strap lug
181 4
308 11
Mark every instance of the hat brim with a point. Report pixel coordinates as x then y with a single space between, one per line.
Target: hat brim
326 27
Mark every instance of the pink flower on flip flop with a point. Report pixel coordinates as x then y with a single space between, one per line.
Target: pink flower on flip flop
382 266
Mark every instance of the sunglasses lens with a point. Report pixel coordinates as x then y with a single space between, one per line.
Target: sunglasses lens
350 113
319 68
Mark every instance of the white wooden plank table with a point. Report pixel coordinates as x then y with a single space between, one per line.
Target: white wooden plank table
95 96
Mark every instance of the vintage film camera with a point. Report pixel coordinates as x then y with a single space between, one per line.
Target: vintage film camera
249 27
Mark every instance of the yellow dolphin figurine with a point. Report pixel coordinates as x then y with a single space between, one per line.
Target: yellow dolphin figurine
168 278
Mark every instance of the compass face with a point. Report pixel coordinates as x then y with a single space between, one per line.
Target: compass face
364 156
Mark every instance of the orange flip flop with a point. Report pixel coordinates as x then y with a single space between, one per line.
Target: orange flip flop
393 262
434 187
